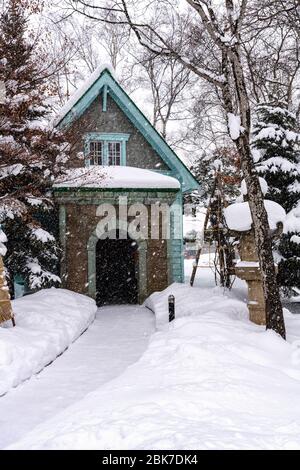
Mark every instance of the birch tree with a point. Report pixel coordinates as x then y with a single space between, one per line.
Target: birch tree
219 61
168 80
226 36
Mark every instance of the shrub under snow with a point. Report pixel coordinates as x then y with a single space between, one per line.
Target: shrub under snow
47 323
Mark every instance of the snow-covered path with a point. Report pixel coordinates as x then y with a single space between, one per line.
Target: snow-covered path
116 339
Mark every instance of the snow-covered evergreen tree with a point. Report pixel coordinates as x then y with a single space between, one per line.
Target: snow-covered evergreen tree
276 138
31 152
289 250
224 161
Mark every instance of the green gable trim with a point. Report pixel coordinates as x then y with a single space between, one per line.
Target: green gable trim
84 102
138 119
112 136
104 99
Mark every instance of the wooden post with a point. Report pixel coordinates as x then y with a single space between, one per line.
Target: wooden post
6 311
171 302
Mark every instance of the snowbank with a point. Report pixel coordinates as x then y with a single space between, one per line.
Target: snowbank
47 323
210 300
212 380
238 216
115 177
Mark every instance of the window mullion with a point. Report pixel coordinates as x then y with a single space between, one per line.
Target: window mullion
105 156
87 152
123 153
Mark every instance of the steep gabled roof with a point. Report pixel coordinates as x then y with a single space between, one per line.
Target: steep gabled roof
103 79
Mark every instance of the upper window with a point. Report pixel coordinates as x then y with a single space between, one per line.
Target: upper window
105 149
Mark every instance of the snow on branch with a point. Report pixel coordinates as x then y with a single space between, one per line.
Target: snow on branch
216 79
38 277
292 222
276 164
3 240
11 170
234 126
42 235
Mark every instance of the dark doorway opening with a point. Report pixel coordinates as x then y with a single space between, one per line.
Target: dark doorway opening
116 272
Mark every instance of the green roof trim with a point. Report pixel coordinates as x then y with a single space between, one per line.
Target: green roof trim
107 82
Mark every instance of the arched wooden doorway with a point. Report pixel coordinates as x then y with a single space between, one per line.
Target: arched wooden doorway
116 271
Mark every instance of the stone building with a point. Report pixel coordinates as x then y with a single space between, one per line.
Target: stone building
119 162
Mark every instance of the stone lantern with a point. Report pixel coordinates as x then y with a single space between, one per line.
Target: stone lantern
248 270
239 221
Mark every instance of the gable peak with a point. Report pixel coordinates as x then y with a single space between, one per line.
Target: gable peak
86 85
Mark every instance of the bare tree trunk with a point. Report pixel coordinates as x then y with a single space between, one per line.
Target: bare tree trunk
164 129
274 313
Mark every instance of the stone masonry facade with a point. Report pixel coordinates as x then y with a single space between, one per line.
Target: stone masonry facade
78 218
139 152
160 261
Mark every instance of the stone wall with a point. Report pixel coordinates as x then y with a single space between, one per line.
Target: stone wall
139 152
78 223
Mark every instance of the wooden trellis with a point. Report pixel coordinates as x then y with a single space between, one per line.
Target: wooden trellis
215 231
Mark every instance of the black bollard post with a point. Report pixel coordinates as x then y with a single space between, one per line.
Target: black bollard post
171 301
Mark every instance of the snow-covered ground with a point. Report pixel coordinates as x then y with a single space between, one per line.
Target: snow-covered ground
205 277
116 339
209 380
42 332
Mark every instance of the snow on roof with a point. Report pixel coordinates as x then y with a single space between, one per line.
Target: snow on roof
115 177
82 90
238 216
